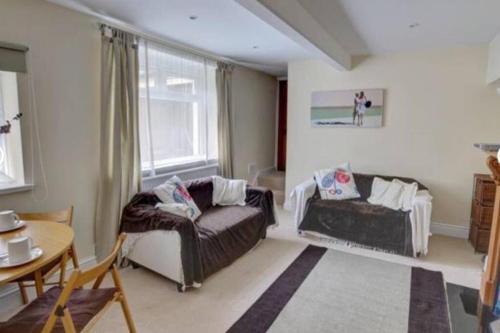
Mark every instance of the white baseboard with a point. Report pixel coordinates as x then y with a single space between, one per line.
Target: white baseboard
451 230
9 294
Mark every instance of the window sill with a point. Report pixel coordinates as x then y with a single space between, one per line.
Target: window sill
180 171
181 168
14 188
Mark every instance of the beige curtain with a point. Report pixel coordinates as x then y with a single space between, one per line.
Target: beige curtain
223 82
120 170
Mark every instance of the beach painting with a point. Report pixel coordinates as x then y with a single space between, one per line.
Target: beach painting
347 108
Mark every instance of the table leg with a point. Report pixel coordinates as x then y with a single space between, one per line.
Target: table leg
24 294
38 283
63 269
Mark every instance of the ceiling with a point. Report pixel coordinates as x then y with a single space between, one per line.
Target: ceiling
223 27
228 29
383 25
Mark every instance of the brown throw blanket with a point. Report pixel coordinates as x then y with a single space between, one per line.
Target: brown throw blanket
359 222
217 238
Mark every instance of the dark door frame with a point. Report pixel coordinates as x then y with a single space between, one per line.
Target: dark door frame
282 123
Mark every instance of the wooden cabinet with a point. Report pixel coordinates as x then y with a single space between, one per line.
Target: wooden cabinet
482 212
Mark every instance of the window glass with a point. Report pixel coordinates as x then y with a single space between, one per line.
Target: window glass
178 108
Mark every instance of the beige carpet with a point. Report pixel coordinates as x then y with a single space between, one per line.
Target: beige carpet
225 296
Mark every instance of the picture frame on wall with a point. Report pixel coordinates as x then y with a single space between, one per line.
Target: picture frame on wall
359 108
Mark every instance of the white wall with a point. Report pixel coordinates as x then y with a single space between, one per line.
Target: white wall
493 73
253 120
65 53
436 106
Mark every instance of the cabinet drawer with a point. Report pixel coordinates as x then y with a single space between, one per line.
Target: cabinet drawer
481 215
480 238
484 190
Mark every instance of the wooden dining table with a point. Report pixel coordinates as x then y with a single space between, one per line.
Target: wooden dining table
53 238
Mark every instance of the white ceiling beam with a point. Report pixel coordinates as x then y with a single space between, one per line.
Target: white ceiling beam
291 19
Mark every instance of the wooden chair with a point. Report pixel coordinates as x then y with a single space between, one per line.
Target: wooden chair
72 308
42 277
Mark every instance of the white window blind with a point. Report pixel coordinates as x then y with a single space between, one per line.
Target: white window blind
11 153
177 109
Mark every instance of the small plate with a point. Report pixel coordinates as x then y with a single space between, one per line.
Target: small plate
18 224
35 253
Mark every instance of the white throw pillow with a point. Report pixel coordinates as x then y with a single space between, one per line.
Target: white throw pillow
408 194
174 192
392 196
228 192
379 187
395 194
336 184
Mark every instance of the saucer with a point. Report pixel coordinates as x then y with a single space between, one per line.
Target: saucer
35 253
18 224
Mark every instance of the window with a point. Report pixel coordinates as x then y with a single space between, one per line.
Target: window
177 109
11 155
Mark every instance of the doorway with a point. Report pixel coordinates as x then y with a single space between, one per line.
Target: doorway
282 121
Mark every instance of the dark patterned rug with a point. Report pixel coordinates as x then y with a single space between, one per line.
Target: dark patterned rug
331 291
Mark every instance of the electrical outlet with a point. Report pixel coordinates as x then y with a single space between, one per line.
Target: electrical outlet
252 168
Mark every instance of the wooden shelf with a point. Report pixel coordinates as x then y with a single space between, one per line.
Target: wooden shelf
490 276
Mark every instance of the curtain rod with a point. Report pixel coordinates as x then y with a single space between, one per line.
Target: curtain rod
113 23
163 41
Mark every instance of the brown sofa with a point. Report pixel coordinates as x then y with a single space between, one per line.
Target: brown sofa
359 222
217 238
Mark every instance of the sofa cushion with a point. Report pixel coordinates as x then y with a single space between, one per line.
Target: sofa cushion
228 232
336 184
360 222
359 206
219 219
174 191
379 188
229 192
364 183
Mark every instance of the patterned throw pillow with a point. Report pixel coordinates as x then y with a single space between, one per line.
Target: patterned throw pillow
174 192
336 184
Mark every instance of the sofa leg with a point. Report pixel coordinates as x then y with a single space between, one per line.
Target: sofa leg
180 287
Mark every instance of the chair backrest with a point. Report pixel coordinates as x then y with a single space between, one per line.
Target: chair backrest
79 279
98 271
63 216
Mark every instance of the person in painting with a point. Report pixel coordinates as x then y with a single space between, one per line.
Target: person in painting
361 107
355 111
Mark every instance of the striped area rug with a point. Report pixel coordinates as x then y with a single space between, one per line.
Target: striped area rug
325 290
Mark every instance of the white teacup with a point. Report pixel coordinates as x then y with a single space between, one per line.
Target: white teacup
8 219
19 248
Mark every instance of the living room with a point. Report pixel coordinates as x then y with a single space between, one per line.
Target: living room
268 162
